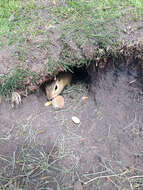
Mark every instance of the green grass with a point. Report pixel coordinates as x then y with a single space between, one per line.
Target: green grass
95 20
15 15
83 20
17 79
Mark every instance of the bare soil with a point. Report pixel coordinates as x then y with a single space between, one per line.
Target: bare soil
108 141
105 150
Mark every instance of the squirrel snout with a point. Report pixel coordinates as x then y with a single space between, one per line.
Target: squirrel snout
49 99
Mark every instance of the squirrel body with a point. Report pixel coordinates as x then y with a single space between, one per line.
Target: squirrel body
54 88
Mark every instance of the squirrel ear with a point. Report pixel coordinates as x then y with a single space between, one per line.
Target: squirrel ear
55 78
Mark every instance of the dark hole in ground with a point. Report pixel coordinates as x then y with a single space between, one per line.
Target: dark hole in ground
79 75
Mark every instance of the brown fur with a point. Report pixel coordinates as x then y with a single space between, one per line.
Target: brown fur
56 87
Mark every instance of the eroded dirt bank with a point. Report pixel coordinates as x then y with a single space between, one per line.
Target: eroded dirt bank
104 151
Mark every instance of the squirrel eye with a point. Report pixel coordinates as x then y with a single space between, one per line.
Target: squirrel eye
56 87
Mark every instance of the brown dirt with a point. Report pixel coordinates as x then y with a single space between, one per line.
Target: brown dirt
41 49
108 140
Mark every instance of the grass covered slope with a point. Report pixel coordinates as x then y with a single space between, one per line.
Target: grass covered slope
55 35
94 20
82 19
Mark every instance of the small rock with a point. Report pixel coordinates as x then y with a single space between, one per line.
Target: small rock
76 120
48 103
84 98
58 102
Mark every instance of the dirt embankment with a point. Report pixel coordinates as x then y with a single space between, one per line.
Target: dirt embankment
41 148
54 49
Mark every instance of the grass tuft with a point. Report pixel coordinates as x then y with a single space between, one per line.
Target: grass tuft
17 79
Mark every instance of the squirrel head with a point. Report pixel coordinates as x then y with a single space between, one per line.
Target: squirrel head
53 89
